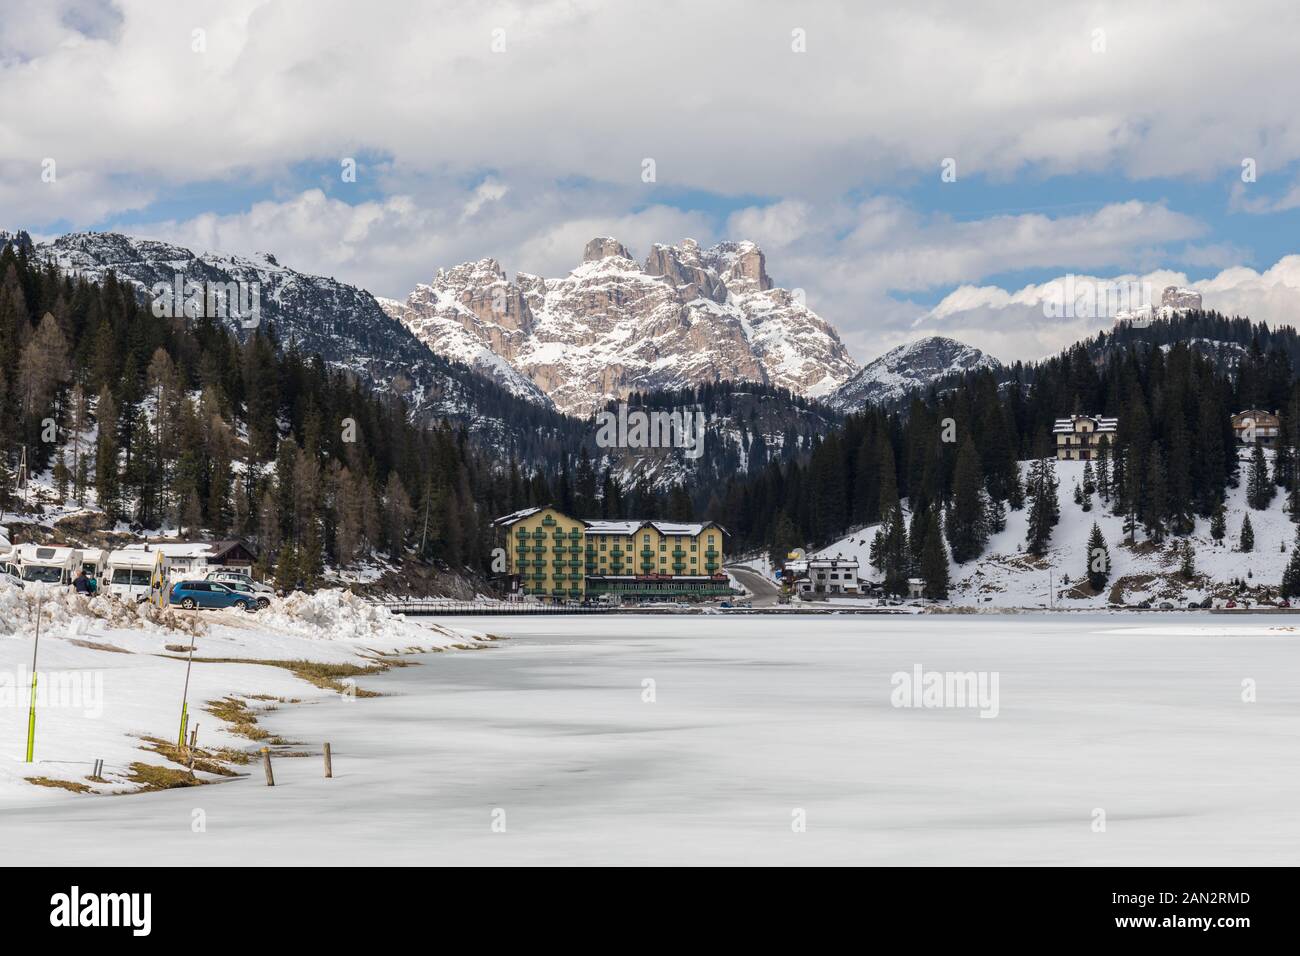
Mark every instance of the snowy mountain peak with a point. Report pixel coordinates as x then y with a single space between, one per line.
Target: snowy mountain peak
602 247
613 326
911 366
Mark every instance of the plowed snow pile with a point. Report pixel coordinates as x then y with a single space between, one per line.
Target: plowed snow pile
65 611
340 615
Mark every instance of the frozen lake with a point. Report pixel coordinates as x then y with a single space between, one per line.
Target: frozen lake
755 725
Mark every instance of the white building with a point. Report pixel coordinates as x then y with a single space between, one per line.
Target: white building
1079 437
822 575
197 558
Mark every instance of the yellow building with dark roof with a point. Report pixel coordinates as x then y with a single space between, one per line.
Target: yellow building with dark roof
553 555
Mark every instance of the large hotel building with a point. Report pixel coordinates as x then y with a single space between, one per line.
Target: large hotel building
553 555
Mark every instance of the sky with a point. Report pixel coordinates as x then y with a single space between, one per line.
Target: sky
921 168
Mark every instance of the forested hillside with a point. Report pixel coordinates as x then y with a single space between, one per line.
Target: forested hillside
163 423
953 456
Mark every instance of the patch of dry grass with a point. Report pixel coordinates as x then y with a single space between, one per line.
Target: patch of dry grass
203 761
326 676
150 777
72 785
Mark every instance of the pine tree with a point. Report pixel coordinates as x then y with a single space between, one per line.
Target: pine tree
1098 557
1156 507
934 560
60 476
1246 542
1187 568
966 519
995 516
398 515
1259 487
890 552
1103 469
106 463
785 538
1044 509
1089 483
286 568
1291 576
1218 523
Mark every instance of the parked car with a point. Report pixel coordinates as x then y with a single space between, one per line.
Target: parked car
210 594
239 577
263 598
1166 605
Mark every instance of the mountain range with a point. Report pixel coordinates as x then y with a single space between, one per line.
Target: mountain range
685 316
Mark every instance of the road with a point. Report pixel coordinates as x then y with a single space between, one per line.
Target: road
765 592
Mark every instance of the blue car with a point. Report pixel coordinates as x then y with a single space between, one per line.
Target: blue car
196 594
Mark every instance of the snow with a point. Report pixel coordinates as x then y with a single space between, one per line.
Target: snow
754 720
124 661
1007 576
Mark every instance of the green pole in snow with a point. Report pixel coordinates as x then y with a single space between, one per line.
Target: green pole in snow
31 713
185 713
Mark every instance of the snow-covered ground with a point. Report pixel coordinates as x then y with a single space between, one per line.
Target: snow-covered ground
643 740
110 676
1007 576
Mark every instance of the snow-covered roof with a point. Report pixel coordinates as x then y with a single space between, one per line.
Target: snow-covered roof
623 526
1257 414
1065 426
627 526
185 549
515 516
674 527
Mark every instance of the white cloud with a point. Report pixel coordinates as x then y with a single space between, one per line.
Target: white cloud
859 263
1012 324
712 92
389 245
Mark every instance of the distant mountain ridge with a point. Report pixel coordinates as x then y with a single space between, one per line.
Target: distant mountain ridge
319 315
910 367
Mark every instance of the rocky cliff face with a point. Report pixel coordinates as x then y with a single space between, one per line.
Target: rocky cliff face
613 326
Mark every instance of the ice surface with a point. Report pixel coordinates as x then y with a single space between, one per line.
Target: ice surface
754 719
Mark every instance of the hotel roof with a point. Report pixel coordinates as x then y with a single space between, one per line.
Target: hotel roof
1065 426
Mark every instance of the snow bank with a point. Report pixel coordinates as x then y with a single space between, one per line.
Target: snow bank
336 614
64 610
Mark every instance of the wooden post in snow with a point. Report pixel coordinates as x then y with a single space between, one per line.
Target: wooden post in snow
266 765
329 764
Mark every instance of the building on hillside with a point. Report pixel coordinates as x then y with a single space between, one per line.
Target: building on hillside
1257 427
822 575
1080 437
915 588
553 555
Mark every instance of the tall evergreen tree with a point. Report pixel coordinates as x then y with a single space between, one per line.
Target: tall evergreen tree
1246 541
934 560
1044 508
1259 486
966 519
1098 560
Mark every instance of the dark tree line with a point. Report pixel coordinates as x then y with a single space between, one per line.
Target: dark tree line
168 422
954 456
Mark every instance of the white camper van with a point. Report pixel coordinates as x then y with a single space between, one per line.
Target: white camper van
47 565
127 574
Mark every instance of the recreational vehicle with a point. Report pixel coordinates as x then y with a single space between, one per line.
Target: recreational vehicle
127 575
47 565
